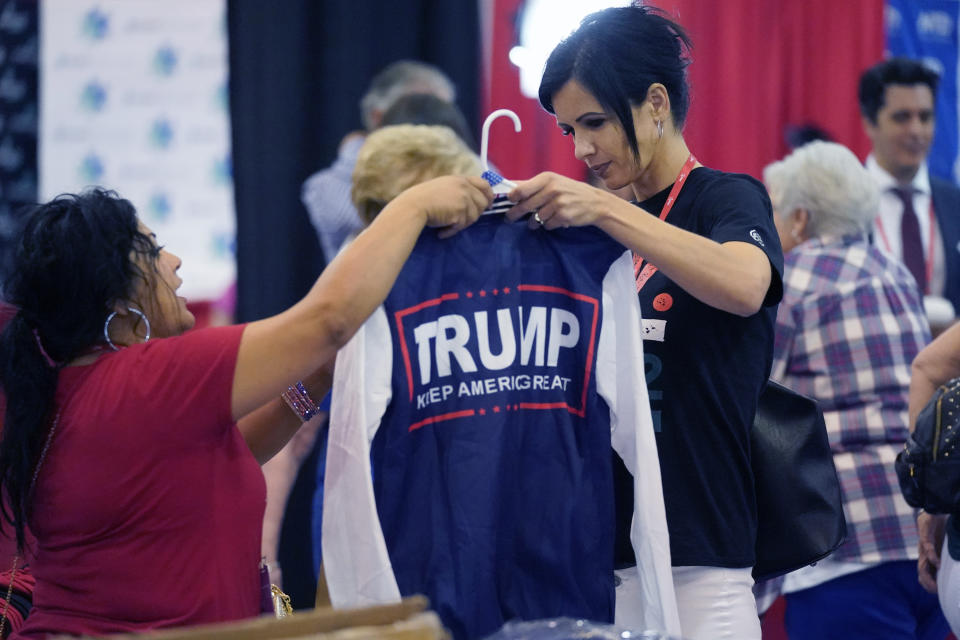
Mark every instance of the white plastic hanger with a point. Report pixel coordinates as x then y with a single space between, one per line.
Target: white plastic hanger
498 182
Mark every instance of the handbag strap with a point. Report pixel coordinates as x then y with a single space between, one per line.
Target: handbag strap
16 558
6 602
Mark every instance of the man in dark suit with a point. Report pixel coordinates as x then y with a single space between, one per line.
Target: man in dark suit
919 217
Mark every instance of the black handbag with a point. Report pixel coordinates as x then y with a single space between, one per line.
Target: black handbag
799 505
928 468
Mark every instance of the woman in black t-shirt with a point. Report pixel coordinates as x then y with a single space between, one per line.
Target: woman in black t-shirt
708 265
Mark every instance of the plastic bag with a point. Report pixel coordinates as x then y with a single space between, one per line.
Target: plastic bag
571 629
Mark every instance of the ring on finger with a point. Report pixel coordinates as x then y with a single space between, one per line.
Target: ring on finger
536 216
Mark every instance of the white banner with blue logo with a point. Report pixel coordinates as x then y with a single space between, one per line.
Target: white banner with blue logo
927 29
133 97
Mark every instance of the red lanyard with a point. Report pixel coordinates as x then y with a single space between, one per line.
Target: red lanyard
930 245
643 273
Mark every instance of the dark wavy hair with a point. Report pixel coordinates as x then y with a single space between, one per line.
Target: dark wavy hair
616 54
75 258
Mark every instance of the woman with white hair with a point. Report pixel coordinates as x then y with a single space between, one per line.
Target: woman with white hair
849 326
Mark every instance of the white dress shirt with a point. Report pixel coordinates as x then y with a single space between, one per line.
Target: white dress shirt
886 226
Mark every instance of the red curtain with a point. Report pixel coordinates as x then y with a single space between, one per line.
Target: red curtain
758 65
539 145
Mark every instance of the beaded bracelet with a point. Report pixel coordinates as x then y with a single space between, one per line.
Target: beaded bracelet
300 401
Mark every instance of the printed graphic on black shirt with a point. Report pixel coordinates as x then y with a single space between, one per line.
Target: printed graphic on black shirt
704 368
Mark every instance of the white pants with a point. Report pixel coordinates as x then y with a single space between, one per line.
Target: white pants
714 603
948 588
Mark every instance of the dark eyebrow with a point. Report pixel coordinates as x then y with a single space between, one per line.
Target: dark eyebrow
909 111
590 114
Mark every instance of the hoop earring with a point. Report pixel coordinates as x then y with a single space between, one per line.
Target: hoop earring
106 326
659 129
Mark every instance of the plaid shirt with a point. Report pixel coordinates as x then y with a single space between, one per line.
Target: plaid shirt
849 326
326 196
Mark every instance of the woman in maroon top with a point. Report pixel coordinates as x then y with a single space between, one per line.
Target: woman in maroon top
131 450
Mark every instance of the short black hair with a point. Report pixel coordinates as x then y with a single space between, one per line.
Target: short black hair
426 108
616 54
798 135
902 71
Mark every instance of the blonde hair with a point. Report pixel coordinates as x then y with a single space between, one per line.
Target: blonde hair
398 157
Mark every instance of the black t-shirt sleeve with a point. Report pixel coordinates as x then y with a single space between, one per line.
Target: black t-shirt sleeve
736 208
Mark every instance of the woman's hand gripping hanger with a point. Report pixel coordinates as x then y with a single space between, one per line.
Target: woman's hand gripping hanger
501 186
